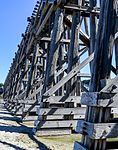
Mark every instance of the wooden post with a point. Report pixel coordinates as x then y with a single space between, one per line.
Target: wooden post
101 67
53 51
73 52
92 29
116 46
31 70
104 45
60 62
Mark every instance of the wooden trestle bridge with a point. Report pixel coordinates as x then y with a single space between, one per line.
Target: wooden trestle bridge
65 73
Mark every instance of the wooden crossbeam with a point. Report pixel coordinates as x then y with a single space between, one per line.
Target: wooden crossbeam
63 111
98 130
69 76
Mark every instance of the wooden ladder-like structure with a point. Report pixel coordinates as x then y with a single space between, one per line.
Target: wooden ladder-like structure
45 80
101 120
63 48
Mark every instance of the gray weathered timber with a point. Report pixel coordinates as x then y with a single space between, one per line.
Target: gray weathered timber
57 124
99 100
98 130
111 87
101 68
69 76
54 49
62 99
73 52
47 39
85 9
63 111
31 71
60 117
66 33
103 52
92 29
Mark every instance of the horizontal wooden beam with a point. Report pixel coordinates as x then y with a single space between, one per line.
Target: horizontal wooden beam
59 117
97 130
47 39
57 124
83 9
61 111
62 99
99 99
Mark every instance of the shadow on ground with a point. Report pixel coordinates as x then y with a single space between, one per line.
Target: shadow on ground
19 129
13 146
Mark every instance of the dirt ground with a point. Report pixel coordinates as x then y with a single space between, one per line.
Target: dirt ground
17 136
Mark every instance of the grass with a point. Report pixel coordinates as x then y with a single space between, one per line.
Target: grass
65 138
112 139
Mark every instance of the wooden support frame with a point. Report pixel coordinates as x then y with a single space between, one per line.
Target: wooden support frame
47 73
98 130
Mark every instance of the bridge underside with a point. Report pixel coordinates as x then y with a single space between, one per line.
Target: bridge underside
64 71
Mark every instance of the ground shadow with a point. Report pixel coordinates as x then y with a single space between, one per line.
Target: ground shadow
41 146
11 118
19 129
3 112
12 145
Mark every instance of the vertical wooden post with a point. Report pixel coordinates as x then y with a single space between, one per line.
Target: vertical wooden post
104 45
60 61
73 51
116 46
101 66
31 71
92 29
17 78
52 55
116 54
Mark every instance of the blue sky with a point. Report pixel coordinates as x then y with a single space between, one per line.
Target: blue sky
13 22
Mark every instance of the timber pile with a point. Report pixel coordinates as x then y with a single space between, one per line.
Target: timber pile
101 120
45 78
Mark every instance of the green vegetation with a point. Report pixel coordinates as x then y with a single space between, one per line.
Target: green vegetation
112 139
66 138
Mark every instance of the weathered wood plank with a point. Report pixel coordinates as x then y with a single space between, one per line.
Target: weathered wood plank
29 118
61 111
57 124
73 52
98 130
62 99
60 117
53 51
103 52
112 86
99 99
69 76
83 9
47 39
